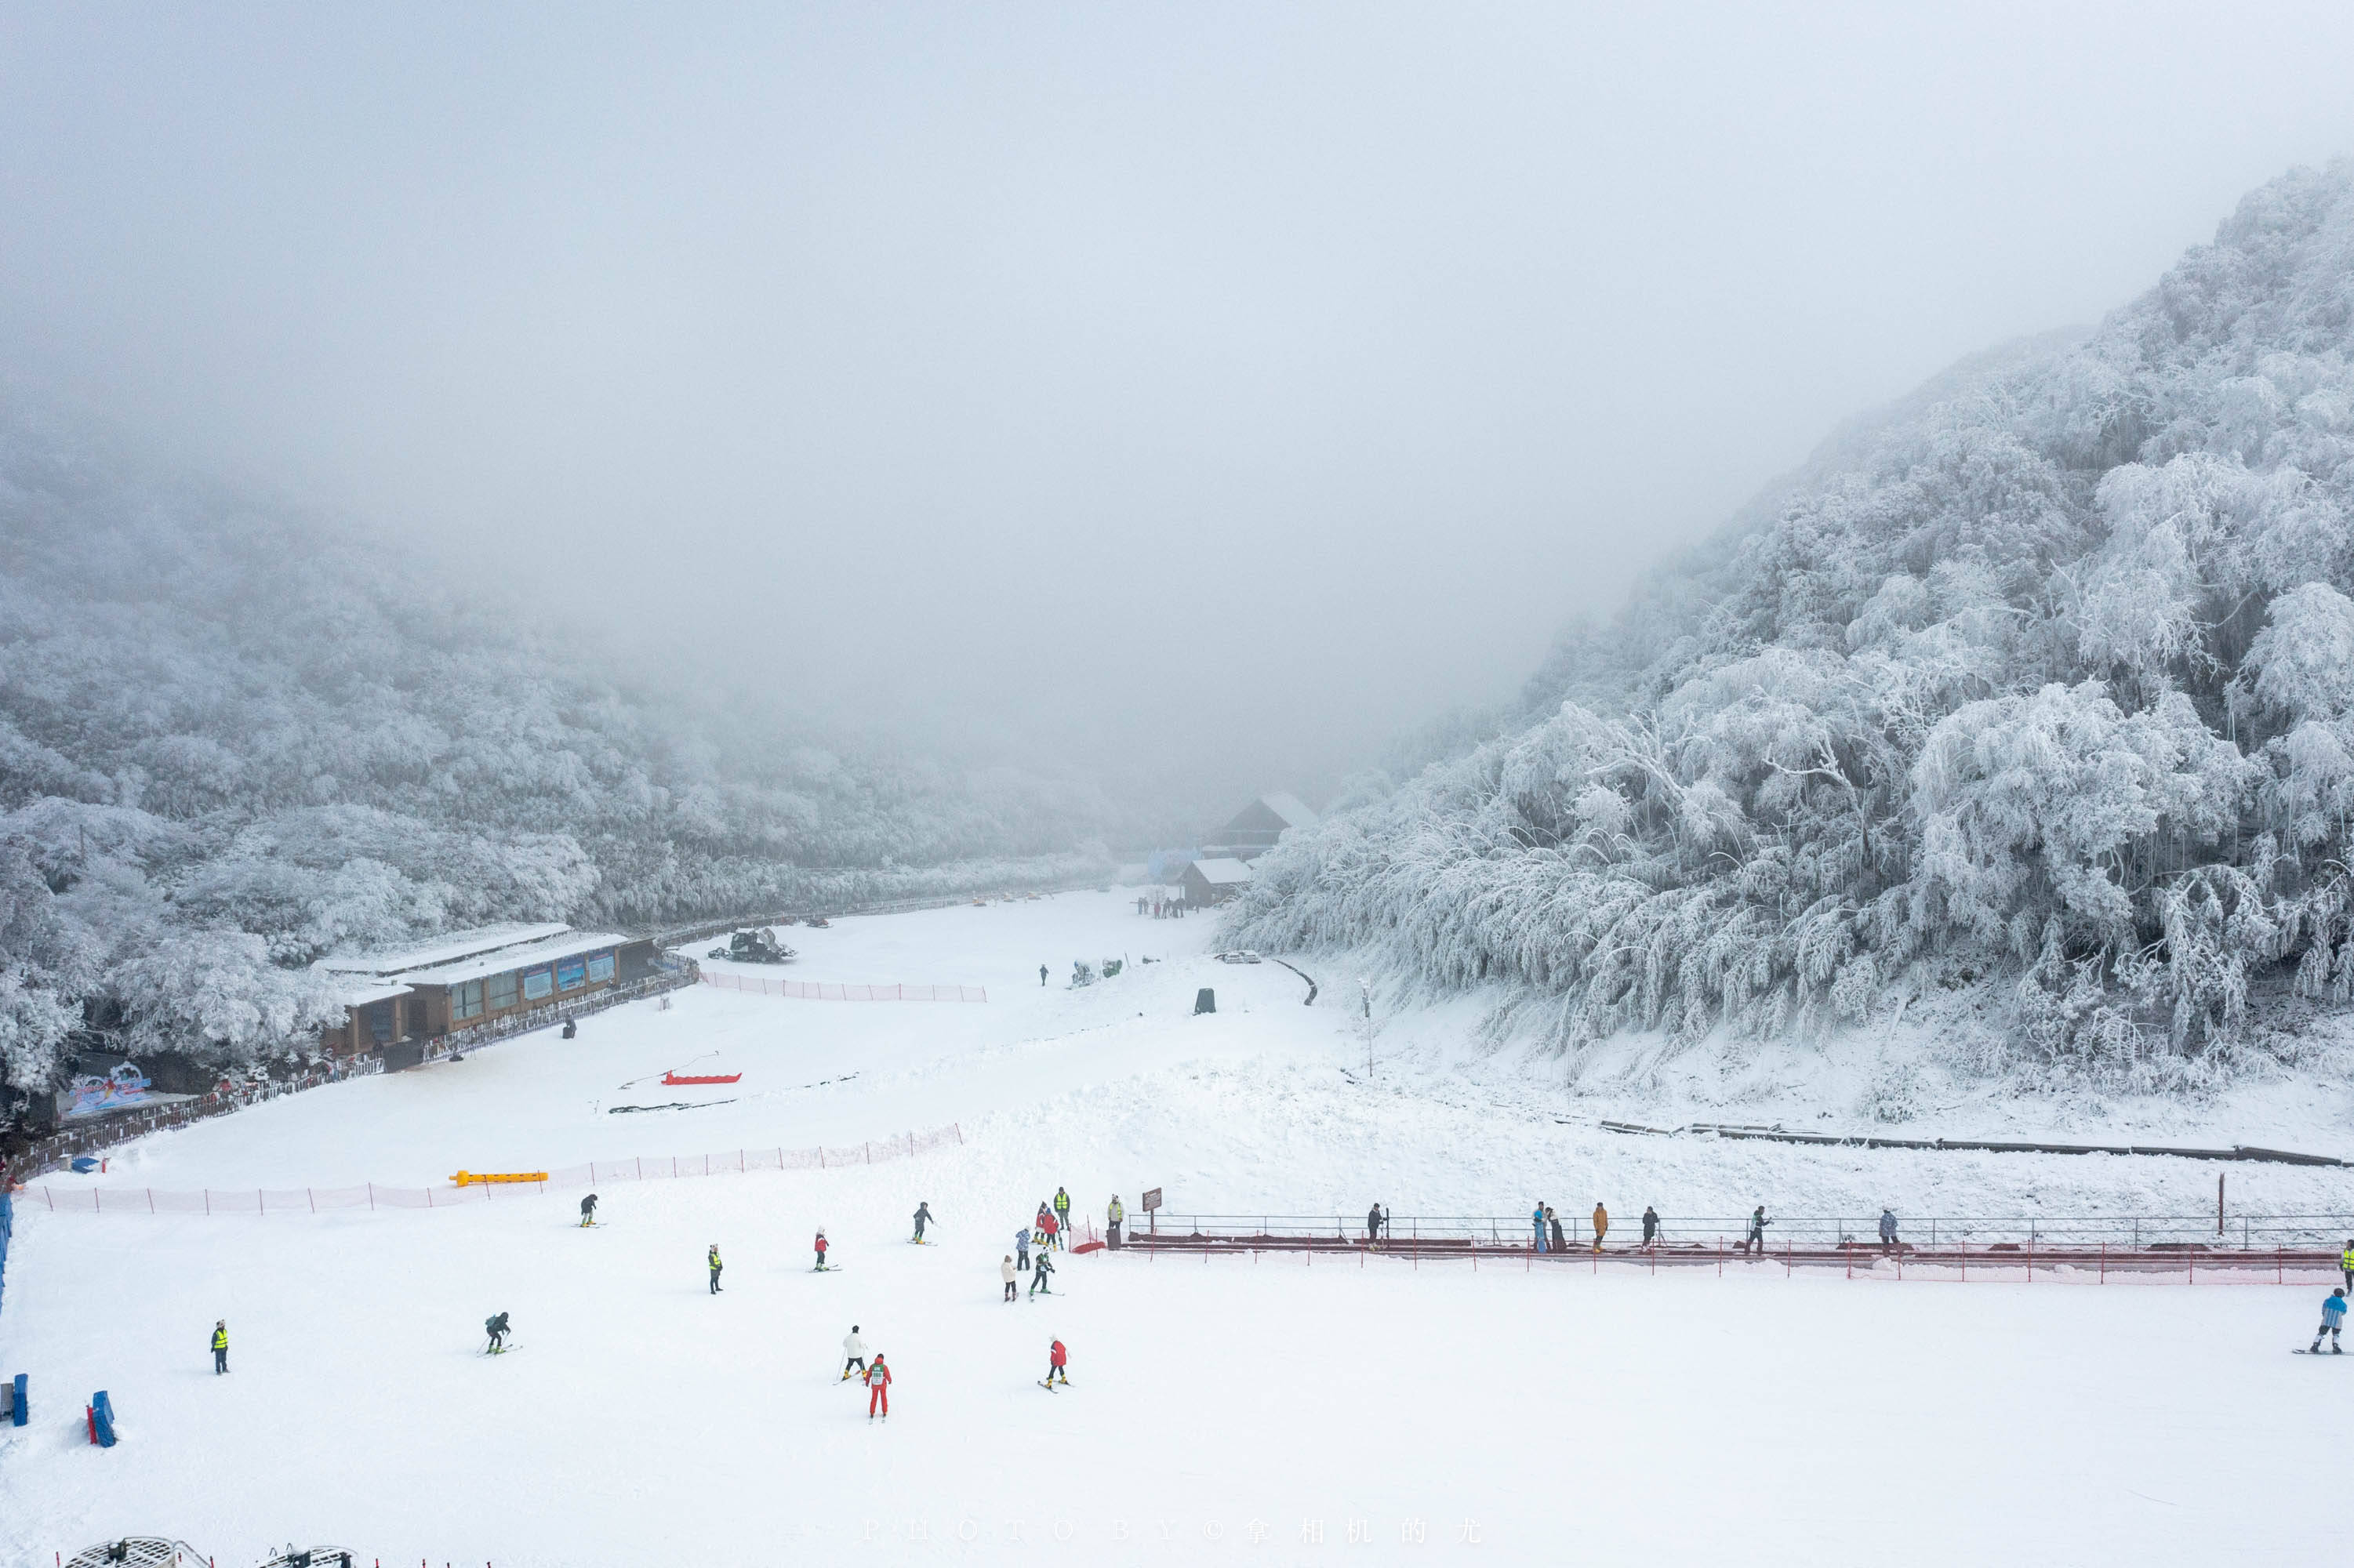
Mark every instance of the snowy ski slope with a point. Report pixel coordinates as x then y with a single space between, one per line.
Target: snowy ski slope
1226 1412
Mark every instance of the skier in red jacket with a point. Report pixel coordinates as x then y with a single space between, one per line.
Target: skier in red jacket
1057 1359
821 1247
878 1389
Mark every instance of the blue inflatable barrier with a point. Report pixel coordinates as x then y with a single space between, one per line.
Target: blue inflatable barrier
19 1402
101 1420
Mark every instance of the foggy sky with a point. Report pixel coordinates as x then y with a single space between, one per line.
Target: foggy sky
1209 391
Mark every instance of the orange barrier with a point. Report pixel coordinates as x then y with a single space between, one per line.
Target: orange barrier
479 1179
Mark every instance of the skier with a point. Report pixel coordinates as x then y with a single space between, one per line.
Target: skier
1062 1212
923 1218
589 1210
1114 1214
853 1353
1537 1220
1757 1236
714 1262
1021 1249
1651 1224
221 1347
820 1248
878 1389
2333 1317
1042 974
1601 1225
1058 1365
1038 1276
1888 1231
1050 1237
1005 1272
497 1329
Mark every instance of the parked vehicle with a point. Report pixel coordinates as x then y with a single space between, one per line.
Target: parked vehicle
759 947
1238 956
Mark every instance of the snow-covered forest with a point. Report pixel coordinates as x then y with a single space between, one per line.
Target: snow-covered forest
2034 696
231 742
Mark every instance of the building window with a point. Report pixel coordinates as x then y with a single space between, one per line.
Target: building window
571 974
466 1001
538 983
600 968
502 992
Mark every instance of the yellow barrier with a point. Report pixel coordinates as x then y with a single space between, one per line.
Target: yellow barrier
479 1179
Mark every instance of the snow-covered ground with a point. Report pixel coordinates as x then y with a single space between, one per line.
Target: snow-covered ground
1556 1415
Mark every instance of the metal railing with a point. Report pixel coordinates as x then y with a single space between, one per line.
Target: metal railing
2128 1232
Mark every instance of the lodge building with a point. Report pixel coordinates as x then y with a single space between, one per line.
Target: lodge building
418 993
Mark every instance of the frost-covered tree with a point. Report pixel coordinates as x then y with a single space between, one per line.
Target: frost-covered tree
2044 680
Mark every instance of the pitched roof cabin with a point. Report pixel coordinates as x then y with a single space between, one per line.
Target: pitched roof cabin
1213 881
1256 826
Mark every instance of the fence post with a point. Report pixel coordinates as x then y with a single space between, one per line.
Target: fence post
821 1156
151 1200
313 1196
371 1190
870 1154
958 1129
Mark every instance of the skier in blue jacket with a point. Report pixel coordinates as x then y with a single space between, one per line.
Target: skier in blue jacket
2333 1317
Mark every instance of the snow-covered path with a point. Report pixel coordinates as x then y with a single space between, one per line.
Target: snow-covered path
1568 1416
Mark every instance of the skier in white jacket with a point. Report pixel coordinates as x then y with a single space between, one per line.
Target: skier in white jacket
854 1350
1005 1273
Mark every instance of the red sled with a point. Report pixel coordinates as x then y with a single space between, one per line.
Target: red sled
706 1078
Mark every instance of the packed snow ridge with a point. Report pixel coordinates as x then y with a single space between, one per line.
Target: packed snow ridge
2028 709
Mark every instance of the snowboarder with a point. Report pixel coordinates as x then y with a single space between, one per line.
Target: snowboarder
1651 1224
923 1218
1021 1249
221 1347
589 1210
878 1389
713 1263
820 1248
1888 1231
1553 1224
1038 1276
1601 1225
497 1327
1058 1365
2333 1317
1062 1212
1537 1220
1757 1236
853 1353
1114 1214
1042 974
1005 1272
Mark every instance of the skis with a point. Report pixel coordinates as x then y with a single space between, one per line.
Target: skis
1051 1384
2327 1352
501 1350
827 1268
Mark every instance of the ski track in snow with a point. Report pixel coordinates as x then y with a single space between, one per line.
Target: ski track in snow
1567 1414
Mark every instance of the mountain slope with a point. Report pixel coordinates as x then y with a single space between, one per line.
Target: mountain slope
2040 685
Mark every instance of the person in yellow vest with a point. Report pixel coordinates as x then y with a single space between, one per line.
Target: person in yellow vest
714 1261
2346 1262
221 1347
1601 1225
1062 1212
1116 1213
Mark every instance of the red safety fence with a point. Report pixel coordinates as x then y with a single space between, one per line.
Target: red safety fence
598 1173
805 990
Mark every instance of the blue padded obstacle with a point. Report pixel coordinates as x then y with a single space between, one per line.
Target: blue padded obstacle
18 1411
101 1420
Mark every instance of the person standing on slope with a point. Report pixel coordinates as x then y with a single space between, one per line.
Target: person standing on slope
589 1210
221 1347
1757 1236
1373 1226
854 1352
1038 1276
1058 1365
1651 1224
2346 1262
1114 1215
1021 1249
1601 1225
1888 1231
2333 1317
1005 1272
1052 1231
1042 974
878 1389
923 1218
1537 1220
713 1261
821 1247
1553 1224
1062 1212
